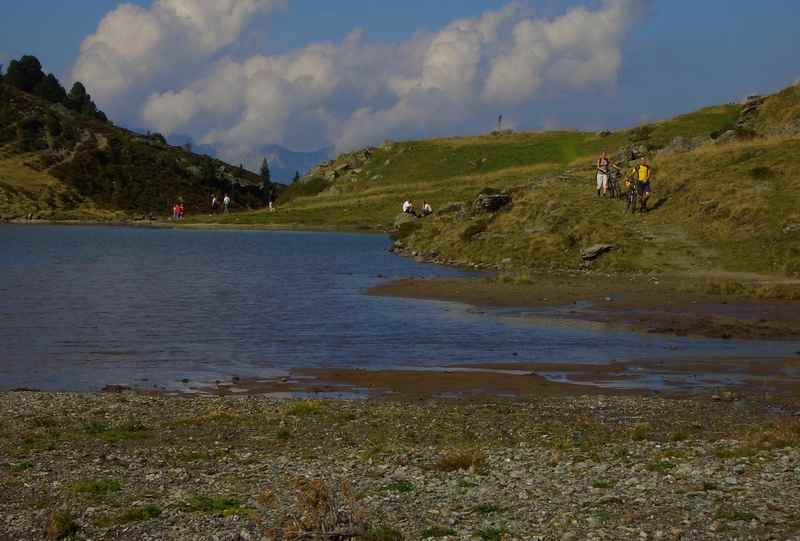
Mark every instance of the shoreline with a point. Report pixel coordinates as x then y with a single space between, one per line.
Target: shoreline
162 224
645 304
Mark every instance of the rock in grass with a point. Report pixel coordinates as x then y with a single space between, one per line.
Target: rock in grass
593 252
490 201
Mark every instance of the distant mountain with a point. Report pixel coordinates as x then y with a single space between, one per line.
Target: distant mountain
284 163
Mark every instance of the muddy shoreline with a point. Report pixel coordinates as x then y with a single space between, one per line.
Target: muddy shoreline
648 304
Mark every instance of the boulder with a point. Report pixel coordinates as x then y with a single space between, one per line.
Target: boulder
491 202
679 145
593 252
791 228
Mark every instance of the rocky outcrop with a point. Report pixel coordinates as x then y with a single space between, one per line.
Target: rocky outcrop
593 252
489 201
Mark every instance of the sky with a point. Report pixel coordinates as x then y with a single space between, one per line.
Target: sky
241 74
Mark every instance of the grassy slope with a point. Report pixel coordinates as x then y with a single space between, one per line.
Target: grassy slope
58 165
448 170
719 209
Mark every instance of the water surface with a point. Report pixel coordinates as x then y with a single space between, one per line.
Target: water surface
83 307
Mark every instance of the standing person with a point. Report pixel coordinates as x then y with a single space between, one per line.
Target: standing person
226 204
181 211
643 174
214 203
603 165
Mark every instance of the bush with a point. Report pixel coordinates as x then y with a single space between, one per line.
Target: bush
61 525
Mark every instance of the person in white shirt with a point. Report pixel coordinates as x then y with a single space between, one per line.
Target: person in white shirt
226 204
426 209
408 208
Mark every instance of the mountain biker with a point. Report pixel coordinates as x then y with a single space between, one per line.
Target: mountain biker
603 168
642 174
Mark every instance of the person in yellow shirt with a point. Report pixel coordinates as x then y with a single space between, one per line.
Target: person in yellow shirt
642 175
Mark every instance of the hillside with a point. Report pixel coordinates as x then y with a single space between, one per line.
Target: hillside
726 195
57 164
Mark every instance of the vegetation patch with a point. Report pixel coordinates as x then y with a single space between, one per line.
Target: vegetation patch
61 524
302 409
492 534
135 514
461 459
97 487
401 486
216 505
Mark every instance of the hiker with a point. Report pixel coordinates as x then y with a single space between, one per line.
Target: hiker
426 209
226 204
603 168
408 208
642 174
175 211
181 211
214 203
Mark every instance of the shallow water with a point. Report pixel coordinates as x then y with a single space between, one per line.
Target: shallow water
83 307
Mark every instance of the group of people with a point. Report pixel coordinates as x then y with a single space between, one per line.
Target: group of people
638 179
408 208
178 211
216 202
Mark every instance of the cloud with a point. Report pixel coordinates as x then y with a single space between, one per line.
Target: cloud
352 93
136 50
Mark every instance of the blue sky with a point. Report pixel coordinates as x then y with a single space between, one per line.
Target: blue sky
676 56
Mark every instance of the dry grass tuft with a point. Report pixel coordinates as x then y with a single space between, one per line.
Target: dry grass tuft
464 458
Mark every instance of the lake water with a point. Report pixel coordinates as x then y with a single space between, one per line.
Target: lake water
82 307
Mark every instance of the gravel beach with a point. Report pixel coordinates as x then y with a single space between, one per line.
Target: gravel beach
134 466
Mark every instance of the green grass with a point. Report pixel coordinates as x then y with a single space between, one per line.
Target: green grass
734 515
134 514
216 505
401 486
97 487
603 485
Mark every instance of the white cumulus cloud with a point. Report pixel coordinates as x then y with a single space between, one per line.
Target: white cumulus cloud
352 93
136 50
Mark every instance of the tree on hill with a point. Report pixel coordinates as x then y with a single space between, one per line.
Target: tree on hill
50 89
24 73
1 73
296 177
80 101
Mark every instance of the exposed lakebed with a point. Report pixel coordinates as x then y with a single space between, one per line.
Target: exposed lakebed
83 307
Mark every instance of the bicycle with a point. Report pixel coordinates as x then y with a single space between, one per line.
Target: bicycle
614 191
632 197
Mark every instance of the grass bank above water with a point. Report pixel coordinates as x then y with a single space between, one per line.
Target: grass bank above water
724 206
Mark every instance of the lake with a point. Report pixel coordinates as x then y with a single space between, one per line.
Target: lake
87 306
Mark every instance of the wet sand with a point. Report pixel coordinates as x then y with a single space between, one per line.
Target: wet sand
644 304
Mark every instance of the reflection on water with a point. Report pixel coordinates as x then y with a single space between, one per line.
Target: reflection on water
87 306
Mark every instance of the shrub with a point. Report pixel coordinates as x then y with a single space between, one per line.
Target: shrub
61 525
